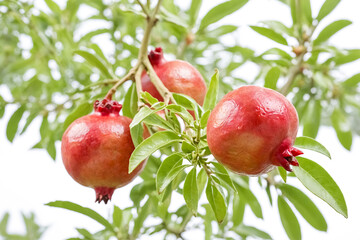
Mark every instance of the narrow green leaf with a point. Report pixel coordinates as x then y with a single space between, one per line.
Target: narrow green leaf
212 93
294 12
319 182
181 111
250 199
137 133
251 231
194 11
117 216
148 98
94 61
201 181
163 176
327 8
223 174
305 206
277 51
271 34
174 172
342 127
312 118
330 30
53 6
190 191
150 145
82 109
289 220
188 103
130 105
187 147
352 82
87 37
216 200
350 56
282 172
272 77
142 215
50 148
311 144
209 216
220 11
13 124
238 210
221 30
142 114
29 120
83 210
155 119
306 11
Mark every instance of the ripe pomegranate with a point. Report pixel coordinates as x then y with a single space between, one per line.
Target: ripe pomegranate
96 149
252 130
178 76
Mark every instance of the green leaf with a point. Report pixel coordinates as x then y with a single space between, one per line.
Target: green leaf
190 191
82 109
201 181
204 119
327 8
330 30
216 200
238 210
53 6
130 105
181 111
271 34
289 220
272 77
50 148
117 216
83 210
220 11
94 61
350 56
143 214
311 144
312 118
150 145
209 216
164 178
13 124
250 199
212 93
87 37
29 120
306 11
342 128
148 98
283 173
194 11
142 114
137 133
251 231
320 183
188 103
221 30
352 82
223 174
187 147
305 206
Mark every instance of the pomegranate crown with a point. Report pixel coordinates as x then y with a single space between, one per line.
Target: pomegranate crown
156 56
107 106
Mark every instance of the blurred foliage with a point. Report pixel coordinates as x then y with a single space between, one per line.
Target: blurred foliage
57 61
32 230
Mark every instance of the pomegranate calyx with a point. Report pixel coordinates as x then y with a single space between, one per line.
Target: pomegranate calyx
287 158
156 56
103 194
107 106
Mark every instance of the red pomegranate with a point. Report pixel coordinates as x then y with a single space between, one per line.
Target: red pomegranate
178 76
252 130
96 149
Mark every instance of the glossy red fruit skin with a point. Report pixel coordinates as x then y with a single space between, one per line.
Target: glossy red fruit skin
96 149
252 130
178 76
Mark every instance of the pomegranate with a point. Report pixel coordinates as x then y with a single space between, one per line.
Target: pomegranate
96 149
252 130
178 76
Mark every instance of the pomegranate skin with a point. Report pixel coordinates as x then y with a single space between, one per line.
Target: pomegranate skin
96 149
178 76
252 130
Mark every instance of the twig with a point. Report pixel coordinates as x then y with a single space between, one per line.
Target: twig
128 76
138 85
143 7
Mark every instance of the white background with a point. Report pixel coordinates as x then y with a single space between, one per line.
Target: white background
29 178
